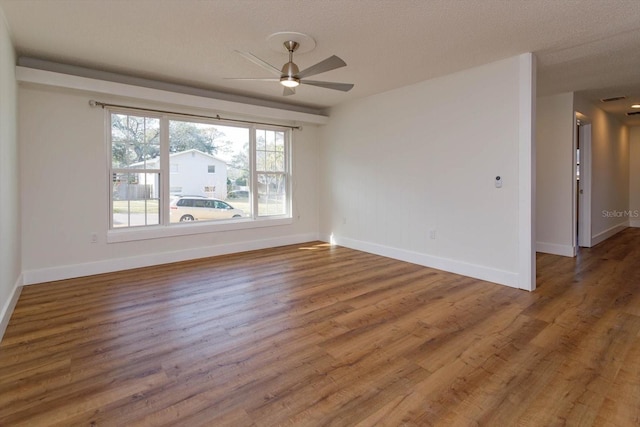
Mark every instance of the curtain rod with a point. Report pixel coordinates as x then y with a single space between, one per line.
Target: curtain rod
95 103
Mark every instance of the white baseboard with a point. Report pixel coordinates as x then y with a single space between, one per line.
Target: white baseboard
556 249
501 277
9 305
635 223
107 266
604 235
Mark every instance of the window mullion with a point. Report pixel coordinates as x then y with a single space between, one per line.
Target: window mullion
109 141
164 170
253 173
288 173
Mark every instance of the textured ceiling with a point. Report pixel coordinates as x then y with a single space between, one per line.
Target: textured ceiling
590 46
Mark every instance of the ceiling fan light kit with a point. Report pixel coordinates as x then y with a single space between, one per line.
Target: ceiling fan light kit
290 75
289 81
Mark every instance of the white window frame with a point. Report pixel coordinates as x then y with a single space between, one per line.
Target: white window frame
287 167
167 229
113 171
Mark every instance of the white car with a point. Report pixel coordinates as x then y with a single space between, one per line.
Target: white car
194 208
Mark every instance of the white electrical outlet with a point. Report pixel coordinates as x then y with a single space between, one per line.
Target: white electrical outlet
94 237
432 234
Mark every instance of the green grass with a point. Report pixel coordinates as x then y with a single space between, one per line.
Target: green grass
272 208
152 206
136 206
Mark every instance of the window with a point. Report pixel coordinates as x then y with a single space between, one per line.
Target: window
166 171
135 170
271 172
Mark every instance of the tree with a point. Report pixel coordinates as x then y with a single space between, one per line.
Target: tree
270 163
137 139
134 139
185 136
239 166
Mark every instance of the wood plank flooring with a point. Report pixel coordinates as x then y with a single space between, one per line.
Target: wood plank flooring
314 335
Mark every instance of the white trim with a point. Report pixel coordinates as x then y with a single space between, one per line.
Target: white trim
128 234
584 220
635 223
609 232
118 264
556 249
50 78
526 173
575 195
501 277
9 306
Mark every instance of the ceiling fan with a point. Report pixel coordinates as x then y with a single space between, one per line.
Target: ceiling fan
290 76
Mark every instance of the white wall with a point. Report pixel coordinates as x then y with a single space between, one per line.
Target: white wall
554 178
609 171
400 165
10 263
634 175
64 183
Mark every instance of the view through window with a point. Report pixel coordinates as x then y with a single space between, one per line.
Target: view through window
198 171
135 158
271 171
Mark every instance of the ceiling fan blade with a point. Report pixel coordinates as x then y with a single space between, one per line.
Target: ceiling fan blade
345 87
288 91
328 64
251 57
270 79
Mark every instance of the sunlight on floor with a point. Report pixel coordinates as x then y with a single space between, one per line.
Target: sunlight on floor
318 246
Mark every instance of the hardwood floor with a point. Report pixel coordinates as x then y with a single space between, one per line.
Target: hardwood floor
312 335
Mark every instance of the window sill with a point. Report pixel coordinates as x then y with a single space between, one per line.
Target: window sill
186 229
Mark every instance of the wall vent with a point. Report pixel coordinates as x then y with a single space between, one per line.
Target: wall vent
633 113
615 98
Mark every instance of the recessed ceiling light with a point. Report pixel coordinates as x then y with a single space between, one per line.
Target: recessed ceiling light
635 106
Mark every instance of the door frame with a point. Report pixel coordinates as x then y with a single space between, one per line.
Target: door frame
583 196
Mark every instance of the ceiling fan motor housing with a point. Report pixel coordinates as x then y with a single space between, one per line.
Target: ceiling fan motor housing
290 69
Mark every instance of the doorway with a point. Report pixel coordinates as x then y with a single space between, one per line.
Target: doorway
582 186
